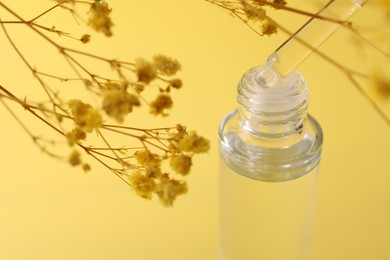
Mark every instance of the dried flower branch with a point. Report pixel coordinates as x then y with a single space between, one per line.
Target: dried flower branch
139 159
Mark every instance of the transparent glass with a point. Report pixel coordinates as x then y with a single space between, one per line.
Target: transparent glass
270 150
266 220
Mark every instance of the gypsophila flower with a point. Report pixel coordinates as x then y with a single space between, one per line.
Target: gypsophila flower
74 158
146 158
117 102
181 164
86 167
75 136
181 130
85 38
177 136
253 13
150 161
160 104
85 116
168 189
99 17
146 71
193 143
166 65
143 186
268 27
176 83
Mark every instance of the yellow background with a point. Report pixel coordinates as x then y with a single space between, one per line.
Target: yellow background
49 210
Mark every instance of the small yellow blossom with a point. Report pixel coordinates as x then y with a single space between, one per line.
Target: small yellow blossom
75 136
160 104
176 83
268 27
194 143
146 71
150 161
143 186
74 158
179 133
85 116
181 129
145 158
166 65
85 38
168 189
86 167
99 17
181 164
117 103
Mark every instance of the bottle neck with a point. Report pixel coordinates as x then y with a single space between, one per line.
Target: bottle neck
271 137
272 107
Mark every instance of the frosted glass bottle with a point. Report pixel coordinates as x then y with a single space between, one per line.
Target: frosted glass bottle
270 150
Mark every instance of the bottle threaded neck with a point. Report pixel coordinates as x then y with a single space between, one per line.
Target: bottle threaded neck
271 106
271 137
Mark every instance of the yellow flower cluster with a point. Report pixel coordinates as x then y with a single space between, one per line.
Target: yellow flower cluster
161 64
181 163
166 65
255 11
153 181
149 178
117 102
151 162
143 185
146 71
85 116
99 17
160 104
268 27
194 143
74 158
168 189
75 136
176 83
85 38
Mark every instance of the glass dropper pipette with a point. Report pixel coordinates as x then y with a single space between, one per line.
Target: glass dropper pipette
311 35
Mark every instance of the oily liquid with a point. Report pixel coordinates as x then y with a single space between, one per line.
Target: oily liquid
266 220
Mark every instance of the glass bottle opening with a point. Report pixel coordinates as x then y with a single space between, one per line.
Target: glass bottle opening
271 137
